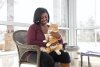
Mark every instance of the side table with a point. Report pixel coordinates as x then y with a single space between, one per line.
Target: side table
88 54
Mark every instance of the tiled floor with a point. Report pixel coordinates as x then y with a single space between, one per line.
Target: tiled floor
10 59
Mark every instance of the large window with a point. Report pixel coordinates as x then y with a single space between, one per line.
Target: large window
20 14
88 23
24 11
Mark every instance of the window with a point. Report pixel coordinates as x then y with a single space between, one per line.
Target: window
88 22
21 14
24 9
3 10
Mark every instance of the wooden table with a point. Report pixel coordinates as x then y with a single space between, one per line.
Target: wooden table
88 54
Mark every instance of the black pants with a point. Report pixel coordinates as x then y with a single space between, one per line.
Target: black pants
63 58
48 60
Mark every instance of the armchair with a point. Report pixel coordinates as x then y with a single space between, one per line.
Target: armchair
19 38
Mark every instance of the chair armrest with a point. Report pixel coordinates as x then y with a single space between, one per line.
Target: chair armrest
64 45
25 48
30 47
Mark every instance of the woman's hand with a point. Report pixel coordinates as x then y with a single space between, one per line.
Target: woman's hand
56 34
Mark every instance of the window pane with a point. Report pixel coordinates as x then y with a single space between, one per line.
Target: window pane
61 12
85 13
86 39
24 9
90 12
3 10
86 35
97 12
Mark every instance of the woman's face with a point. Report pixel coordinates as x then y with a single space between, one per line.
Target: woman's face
44 18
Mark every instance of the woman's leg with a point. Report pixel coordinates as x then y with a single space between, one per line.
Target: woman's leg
66 63
64 58
46 60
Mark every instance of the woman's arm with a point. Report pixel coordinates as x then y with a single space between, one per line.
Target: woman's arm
32 36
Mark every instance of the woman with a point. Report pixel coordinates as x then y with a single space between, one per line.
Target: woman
36 36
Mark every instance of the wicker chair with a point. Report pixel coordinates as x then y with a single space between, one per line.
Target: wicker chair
22 47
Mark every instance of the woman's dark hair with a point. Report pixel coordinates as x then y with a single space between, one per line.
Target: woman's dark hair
38 13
